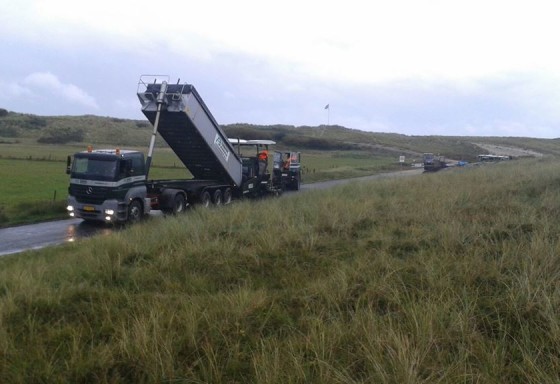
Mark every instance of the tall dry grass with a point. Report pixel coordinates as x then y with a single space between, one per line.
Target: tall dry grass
450 277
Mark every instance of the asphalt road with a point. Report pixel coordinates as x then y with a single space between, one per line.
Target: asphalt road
28 237
36 236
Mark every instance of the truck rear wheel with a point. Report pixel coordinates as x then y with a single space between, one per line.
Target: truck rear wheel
205 199
217 197
226 197
135 211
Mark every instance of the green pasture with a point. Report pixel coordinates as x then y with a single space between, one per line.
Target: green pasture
28 180
29 149
321 165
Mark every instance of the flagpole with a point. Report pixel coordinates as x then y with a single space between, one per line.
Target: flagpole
328 108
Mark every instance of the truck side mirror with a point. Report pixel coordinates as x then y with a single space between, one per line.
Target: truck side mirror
68 164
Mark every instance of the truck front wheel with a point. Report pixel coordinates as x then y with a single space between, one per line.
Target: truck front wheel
135 211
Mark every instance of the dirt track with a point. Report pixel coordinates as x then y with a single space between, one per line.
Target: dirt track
502 150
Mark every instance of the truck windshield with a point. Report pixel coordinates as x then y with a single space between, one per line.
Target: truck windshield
95 169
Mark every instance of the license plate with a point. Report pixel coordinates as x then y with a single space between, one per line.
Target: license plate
89 208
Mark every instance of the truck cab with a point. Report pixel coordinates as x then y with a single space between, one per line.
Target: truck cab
107 185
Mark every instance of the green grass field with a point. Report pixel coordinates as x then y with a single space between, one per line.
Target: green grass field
319 166
27 181
447 277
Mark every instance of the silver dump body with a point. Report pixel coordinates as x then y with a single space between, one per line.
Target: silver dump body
188 127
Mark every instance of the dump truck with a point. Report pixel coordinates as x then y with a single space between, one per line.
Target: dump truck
113 186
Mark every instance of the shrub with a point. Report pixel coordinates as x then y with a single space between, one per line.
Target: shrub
142 124
61 135
8 131
247 132
3 216
315 143
34 122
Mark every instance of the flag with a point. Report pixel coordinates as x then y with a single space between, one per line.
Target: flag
327 106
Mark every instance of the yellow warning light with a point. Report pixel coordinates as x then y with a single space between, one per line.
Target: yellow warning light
89 148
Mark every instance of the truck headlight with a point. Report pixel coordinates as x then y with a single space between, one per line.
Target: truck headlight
109 212
70 208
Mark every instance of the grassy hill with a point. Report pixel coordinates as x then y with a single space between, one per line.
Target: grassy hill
89 129
446 277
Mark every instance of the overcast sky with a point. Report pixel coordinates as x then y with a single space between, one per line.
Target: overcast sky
467 68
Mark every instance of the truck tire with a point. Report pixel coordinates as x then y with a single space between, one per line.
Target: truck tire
179 204
296 184
205 199
135 211
226 197
217 197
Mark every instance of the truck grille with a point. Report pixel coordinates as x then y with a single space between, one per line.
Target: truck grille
88 194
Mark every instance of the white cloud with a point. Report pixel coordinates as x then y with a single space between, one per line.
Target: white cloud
16 90
350 41
130 104
49 85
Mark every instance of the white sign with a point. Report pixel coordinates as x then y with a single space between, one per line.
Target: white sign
220 144
401 159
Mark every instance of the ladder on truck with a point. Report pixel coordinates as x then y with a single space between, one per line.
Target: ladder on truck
184 121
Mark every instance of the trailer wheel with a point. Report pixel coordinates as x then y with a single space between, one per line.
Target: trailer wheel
226 197
205 199
135 211
179 204
217 197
